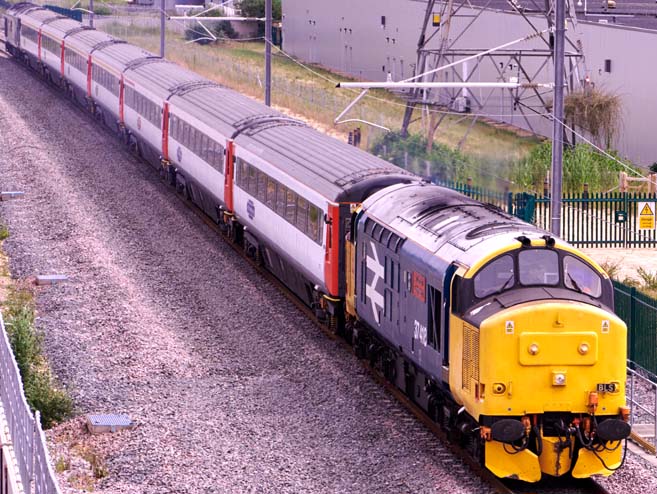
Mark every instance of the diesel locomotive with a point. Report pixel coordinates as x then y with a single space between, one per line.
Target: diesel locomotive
502 333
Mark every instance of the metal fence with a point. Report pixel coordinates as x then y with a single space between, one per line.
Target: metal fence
588 219
45 481
76 15
642 399
25 430
639 312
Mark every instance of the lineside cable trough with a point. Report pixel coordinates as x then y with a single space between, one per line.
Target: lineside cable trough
8 195
97 424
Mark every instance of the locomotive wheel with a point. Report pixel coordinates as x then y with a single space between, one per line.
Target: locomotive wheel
333 323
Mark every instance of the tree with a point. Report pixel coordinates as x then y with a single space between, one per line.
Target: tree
256 8
221 29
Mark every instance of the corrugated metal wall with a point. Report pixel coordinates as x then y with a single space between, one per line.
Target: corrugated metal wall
352 36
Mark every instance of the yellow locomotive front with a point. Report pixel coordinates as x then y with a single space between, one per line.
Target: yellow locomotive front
537 358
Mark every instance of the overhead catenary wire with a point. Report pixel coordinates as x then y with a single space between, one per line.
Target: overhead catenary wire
394 103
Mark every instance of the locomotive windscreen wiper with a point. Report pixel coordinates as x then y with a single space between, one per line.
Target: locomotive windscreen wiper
575 285
506 284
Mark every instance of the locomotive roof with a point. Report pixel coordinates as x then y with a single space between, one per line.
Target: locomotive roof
37 14
445 222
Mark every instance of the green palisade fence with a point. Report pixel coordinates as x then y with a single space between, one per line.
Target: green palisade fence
640 314
588 219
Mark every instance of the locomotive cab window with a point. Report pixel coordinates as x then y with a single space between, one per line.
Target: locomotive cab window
538 267
496 277
581 277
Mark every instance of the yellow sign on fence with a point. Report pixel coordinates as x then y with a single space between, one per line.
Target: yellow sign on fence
646 215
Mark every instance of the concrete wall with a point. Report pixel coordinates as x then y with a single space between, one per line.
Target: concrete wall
349 36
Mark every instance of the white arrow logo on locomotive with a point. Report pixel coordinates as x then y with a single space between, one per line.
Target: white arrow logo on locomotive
376 268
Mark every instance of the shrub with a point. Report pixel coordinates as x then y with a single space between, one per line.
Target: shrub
649 279
581 164
221 29
41 392
611 268
411 153
256 8
597 112
4 232
102 10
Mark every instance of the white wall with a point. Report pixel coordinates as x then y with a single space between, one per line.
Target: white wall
347 35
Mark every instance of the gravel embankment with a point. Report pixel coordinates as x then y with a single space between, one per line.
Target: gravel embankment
233 389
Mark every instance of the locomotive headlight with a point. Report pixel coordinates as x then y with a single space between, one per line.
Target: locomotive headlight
558 378
583 348
533 349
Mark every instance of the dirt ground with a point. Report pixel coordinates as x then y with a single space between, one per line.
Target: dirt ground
627 260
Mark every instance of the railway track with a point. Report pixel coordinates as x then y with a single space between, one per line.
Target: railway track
476 479
459 460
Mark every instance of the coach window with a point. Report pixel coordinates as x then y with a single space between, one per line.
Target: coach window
313 223
252 180
291 207
302 214
281 195
219 157
496 277
191 137
172 126
271 193
184 132
205 148
262 186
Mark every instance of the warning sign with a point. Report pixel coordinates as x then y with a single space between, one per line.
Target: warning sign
509 328
646 216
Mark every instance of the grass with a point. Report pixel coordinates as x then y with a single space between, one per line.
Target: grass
4 232
240 66
646 282
41 390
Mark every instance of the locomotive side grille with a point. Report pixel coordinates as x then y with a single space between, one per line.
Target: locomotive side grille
470 356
